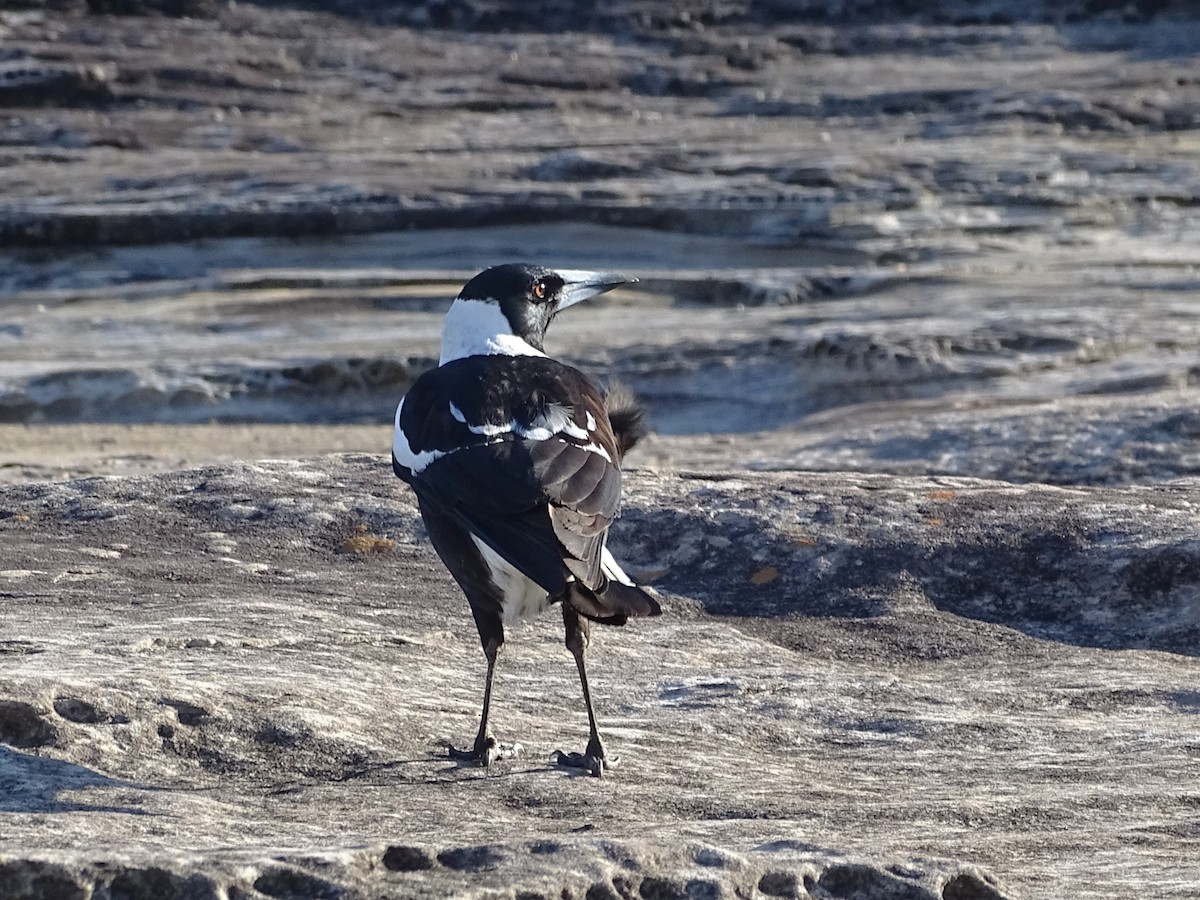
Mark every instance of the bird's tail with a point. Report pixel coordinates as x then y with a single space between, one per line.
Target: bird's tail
627 416
616 603
618 598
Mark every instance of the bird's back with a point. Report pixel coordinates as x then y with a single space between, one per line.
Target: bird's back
520 451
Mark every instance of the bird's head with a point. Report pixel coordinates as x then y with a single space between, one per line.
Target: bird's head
507 309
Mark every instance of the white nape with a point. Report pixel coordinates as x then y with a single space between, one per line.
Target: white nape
479 328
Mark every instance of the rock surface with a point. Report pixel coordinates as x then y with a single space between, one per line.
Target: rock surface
243 679
910 252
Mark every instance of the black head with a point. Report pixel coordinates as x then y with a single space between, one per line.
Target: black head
531 296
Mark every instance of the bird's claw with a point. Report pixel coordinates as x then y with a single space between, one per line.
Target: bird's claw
486 751
593 763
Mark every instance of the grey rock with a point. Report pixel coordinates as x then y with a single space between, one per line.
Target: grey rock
571 165
907 247
240 681
643 15
1037 376
907 253
837 149
28 81
1128 440
340 390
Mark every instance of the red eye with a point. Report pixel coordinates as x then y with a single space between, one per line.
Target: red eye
539 290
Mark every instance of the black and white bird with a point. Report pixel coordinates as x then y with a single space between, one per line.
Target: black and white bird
515 459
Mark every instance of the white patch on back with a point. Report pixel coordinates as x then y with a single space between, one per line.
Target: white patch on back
485 429
523 597
554 421
609 567
404 454
479 328
557 420
596 448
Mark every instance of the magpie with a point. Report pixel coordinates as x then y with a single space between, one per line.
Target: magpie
515 460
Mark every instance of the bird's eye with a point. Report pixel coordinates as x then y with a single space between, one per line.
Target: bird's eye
540 289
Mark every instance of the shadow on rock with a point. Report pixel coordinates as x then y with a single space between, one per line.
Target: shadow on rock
31 784
1059 566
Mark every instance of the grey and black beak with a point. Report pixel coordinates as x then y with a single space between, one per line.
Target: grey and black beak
579 285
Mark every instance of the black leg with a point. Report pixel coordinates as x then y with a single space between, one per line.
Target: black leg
593 759
486 750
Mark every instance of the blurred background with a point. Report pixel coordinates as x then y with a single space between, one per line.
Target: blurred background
938 236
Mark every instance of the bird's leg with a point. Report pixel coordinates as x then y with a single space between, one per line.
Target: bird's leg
487 750
594 760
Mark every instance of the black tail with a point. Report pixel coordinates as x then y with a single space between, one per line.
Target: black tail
628 417
615 604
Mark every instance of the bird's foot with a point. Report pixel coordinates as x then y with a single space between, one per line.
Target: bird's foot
593 760
486 751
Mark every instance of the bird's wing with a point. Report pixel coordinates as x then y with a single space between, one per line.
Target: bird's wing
520 450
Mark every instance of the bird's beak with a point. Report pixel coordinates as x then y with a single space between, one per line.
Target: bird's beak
579 286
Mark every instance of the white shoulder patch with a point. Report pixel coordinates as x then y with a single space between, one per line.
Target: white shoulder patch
404 453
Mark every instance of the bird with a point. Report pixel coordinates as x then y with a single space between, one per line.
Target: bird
515 460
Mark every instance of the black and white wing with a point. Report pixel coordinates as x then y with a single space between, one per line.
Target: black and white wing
521 452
